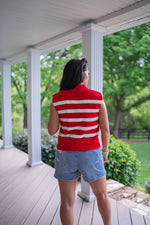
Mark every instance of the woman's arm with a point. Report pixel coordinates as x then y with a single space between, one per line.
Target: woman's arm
104 126
53 122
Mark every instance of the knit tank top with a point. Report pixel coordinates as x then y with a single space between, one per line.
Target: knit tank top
78 111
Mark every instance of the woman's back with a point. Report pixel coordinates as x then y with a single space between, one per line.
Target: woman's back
78 111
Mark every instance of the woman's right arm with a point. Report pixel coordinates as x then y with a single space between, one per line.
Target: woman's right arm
104 126
53 122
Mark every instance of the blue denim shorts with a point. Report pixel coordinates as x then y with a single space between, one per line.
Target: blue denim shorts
68 164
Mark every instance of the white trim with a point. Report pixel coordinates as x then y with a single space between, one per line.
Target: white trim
78 111
33 50
78 102
79 128
94 27
122 11
79 136
79 119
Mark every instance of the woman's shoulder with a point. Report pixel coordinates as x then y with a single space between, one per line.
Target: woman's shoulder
95 94
60 95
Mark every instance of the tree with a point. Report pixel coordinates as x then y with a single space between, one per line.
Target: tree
51 71
19 81
126 69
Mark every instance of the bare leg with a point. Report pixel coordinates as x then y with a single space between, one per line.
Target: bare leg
99 189
67 192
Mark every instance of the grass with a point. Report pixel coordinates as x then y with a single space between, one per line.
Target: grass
143 154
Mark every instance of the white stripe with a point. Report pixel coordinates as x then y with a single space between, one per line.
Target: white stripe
79 128
78 102
78 136
78 111
79 119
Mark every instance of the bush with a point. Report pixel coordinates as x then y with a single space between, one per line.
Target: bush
1 134
20 140
122 164
147 186
48 144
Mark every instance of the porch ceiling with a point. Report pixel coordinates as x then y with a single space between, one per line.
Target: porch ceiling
52 24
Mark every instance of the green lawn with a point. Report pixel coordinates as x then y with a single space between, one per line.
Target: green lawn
143 154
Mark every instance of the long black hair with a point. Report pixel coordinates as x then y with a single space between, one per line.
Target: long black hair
73 73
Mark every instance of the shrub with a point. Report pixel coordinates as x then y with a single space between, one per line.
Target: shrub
147 186
122 164
20 140
1 134
48 144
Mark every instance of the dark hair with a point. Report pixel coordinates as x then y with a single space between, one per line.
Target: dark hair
73 73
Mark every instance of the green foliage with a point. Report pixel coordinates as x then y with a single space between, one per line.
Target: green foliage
126 70
48 144
20 140
122 164
0 134
52 67
147 186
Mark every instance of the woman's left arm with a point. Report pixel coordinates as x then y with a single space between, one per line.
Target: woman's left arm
53 122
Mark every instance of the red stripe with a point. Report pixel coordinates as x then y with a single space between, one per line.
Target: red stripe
83 124
78 115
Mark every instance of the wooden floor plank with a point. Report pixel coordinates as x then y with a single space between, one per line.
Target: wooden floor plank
97 219
56 219
114 212
9 206
30 196
12 176
9 164
86 213
147 220
50 210
77 209
25 209
123 214
38 209
17 185
137 219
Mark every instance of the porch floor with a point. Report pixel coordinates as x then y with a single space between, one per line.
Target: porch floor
30 196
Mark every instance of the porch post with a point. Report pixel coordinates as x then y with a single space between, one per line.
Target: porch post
92 47
6 105
34 108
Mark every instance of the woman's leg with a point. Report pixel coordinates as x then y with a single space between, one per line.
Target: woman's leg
67 193
99 189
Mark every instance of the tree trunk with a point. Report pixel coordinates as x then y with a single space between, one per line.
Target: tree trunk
25 116
118 118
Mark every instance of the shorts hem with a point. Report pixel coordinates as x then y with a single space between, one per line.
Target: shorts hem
65 179
96 178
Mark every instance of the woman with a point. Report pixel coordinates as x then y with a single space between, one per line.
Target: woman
79 112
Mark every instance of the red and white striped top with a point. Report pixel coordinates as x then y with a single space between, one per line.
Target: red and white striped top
78 111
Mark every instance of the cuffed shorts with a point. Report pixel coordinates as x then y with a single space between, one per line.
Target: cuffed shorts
68 164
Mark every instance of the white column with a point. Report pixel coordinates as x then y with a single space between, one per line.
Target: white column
6 105
34 108
92 47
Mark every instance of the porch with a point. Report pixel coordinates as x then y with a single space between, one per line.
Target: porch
30 195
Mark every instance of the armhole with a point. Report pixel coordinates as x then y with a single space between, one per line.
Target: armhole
101 99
